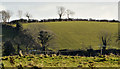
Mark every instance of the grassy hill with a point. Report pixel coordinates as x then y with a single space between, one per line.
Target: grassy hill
68 35
75 34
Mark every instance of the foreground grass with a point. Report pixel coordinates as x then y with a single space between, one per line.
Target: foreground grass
61 61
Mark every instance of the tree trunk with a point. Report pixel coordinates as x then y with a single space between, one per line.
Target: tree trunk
101 50
20 53
8 20
18 48
26 49
68 16
28 18
60 17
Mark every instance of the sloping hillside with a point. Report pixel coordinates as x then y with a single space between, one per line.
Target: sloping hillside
76 34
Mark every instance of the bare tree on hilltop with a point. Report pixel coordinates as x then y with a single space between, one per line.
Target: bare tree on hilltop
61 12
28 15
9 14
20 13
5 15
69 12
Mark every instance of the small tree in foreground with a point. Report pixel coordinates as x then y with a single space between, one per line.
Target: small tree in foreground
17 39
105 39
45 37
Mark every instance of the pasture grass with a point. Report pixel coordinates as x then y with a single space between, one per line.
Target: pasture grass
76 34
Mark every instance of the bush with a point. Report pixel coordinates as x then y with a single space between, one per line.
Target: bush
8 49
19 27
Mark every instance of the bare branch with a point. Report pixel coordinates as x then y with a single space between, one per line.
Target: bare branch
105 38
9 14
28 15
20 13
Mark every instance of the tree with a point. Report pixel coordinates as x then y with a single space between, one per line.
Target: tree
117 35
5 15
20 14
28 41
0 16
24 38
8 48
69 12
105 38
61 12
17 39
28 15
45 37
9 14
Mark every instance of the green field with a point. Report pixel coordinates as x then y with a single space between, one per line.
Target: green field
75 34
67 35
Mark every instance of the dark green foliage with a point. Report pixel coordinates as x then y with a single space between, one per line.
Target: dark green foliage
25 39
19 27
45 37
17 30
8 48
21 39
8 32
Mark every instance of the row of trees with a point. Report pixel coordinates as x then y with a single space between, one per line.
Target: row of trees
62 11
6 15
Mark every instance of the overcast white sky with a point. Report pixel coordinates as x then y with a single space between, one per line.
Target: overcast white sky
41 10
59 0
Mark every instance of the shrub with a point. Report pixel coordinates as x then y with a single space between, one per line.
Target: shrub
19 27
12 61
8 48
